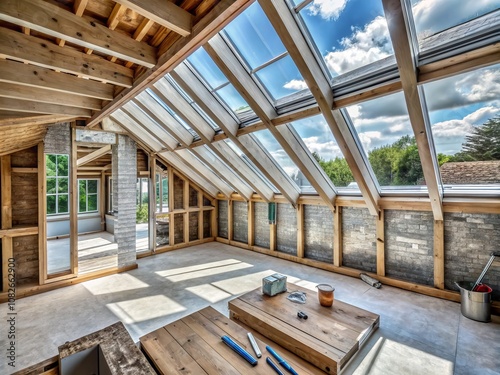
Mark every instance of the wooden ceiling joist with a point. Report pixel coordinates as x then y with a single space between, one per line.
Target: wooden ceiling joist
93 155
35 76
14 91
286 26
204 29
131 126
54 21
34 120
26 48
37 107
408 72
164 13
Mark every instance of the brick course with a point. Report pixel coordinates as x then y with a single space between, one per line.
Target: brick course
262 232
318 233
286 228
240 221
359 248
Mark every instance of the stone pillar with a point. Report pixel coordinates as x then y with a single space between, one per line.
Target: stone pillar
124 159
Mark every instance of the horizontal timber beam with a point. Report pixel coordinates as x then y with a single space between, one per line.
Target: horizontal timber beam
37 107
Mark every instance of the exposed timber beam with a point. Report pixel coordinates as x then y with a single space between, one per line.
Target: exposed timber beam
35 76
398 30
286 26
37 107
52 20
14 91
163 13
131 126
35 120
93 155
26 48
223 13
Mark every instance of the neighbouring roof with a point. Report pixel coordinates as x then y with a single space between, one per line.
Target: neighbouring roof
471 172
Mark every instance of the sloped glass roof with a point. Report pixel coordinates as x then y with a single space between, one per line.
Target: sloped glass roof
346 34
266 58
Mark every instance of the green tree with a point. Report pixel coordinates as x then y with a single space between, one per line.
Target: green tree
409 169
482 144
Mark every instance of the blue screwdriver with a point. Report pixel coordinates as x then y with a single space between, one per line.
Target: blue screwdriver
238 349
281 361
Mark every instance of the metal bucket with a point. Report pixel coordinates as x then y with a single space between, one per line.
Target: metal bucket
474 305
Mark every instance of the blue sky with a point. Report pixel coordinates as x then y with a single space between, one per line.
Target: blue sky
349 34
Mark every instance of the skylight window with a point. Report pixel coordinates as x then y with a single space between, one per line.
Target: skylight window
385 133
348 34
255 40
464 113
433 16
283 160
318 138
219 85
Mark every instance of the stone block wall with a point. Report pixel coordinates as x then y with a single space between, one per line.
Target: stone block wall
409 246
58 139
469 240
359 247
25 252
178 228
240 221
318 233
124 169
222 219
286 228
207 224
193 197
193 226
262 232
178 193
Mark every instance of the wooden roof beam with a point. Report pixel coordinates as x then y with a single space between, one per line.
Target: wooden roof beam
241 80
131 126
26 48
287 29
42 108
398 30
52 20
34 120
164 13
93 155
203 30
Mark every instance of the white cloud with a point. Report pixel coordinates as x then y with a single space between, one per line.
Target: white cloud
364 46
368 138
327 9
295 84
326 149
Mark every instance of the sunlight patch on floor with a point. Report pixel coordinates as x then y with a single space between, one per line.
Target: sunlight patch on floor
209 293
117 283
243 284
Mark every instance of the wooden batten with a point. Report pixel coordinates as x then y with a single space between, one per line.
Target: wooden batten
439 254
337 237
6 194
300 230
381 244
73 203
185 198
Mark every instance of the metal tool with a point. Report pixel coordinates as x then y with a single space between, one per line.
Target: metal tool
281 361
238 349
273 365
486 268
255 347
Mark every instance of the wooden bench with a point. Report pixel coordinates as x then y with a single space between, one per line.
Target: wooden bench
328 338
192 345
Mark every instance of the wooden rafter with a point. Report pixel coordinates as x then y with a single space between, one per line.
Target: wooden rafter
203 30
78 8
37 107
129 124
164 13
408 73
34 120
298 48
51 20
93 155
14 91
29 49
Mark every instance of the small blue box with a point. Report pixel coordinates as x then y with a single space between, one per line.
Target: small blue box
274 284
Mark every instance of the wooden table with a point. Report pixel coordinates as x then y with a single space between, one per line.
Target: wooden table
328 338
192 345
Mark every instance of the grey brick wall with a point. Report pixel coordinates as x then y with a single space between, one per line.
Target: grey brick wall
58 139
193 226
469 240
178 228
318 233
193 197
262 232
240 221
286 228
222 219
409 246
124 158
178 193
359 248
207 224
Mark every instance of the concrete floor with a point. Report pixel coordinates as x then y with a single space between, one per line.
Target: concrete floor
417 335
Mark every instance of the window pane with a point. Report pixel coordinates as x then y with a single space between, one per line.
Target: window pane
62 185
385 133
318 138
82 202
51 185
92 186
281 78
234 100
254 37
51 204
283 160
50 165
348 34
92 202
205 66
165 190
62 201
432 16
465 120
62 165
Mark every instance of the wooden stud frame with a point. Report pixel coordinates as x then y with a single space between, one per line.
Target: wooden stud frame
381 244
